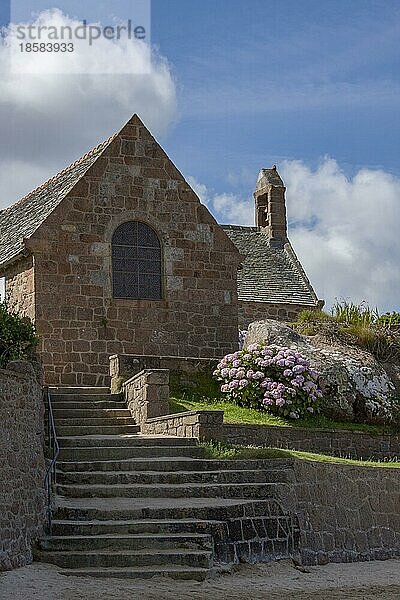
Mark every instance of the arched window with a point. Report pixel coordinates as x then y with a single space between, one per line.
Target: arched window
136 262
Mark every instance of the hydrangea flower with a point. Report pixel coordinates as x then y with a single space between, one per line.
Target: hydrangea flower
277 379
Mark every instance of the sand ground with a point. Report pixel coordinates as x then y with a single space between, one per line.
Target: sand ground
272 581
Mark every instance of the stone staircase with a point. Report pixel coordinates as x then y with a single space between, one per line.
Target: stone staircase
129 505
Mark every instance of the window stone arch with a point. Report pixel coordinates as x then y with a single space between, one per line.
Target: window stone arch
136 257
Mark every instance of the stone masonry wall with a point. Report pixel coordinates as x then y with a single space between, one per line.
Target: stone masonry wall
347 513
147 394
258 311
351 444
203 425
77 318
22 466
20 287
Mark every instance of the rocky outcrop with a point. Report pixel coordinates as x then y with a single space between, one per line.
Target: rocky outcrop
355 386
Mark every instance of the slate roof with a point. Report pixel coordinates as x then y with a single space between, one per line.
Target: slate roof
269 274
23 218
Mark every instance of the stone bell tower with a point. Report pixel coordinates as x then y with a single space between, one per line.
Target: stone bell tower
270 206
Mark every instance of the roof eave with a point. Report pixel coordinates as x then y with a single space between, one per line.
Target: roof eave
10 261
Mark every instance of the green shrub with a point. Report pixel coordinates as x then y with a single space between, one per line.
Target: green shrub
18 338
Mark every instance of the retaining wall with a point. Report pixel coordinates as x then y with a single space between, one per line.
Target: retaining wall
352 444
347 513
22 465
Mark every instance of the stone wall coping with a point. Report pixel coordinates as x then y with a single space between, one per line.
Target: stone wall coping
311 430
133 378
142 374
333 466
177 358
189 413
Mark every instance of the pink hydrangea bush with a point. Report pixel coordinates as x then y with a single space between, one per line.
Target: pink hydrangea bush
275 379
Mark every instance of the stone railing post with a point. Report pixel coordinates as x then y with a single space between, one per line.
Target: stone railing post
147 394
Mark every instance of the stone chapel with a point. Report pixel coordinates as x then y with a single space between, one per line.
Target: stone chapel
116 254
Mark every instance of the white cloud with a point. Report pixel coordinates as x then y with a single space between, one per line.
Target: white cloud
50 120
235 210
345 231
228 208
86 49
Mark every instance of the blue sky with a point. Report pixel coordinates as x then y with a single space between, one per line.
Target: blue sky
5 13
234 86
260 81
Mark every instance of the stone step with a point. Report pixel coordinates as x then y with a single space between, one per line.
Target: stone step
171 477
166 490
93 421
172 463
79 391
128 509
126 558
119 453
139 526
155 541
123 440
178 572
107 430
87 404
90 413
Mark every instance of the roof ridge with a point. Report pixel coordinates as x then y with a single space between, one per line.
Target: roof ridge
63 171
228 226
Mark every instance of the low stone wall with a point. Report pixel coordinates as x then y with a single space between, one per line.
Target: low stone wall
351 444
347 513
203 425
147 394
22 464
124 366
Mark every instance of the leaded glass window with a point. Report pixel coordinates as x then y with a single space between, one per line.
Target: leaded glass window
136 262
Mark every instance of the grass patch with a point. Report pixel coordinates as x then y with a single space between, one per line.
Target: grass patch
238 414
221 451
